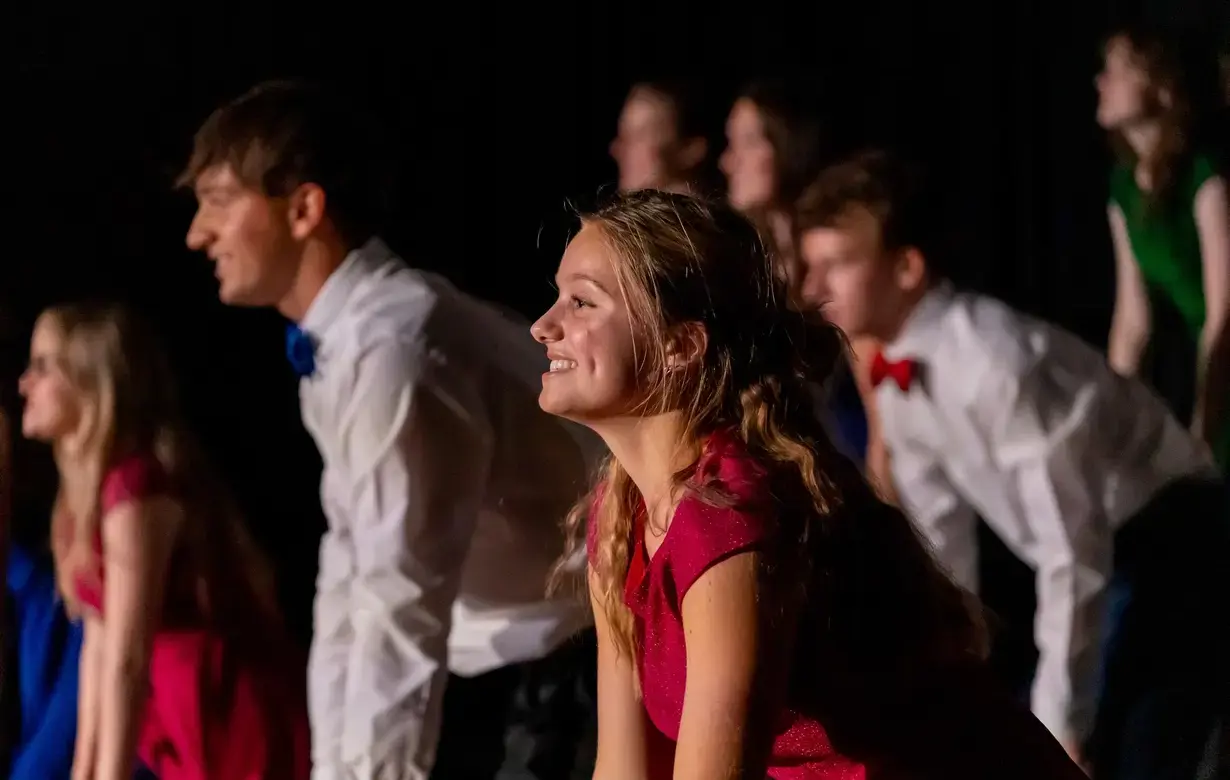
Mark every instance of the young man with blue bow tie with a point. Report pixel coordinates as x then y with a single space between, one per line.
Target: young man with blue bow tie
1084 474
444 484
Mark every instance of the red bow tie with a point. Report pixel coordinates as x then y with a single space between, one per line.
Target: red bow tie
901 371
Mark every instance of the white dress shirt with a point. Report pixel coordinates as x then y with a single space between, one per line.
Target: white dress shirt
1025 424
444 487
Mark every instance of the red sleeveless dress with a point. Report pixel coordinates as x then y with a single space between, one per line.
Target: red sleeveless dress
959 728
212 714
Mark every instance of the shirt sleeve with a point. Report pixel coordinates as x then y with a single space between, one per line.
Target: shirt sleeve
1037 437
947 521
412 464
331 640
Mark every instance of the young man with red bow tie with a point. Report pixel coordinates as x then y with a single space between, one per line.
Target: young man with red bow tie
989 412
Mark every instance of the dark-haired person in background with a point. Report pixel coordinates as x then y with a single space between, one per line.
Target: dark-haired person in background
444 485
1170 223
776 142
1084 474
661 142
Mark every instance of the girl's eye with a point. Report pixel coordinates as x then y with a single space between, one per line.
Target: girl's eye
578 303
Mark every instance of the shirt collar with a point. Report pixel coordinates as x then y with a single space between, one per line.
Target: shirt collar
333 296
918 335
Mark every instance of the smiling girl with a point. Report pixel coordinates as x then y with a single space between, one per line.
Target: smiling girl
759 611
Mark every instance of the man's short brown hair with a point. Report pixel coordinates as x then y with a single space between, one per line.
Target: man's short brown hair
878 183
282 134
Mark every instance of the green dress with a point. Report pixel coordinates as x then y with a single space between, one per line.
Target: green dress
1166 244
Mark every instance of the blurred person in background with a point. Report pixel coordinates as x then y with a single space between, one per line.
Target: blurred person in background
42 646
43 660
661 142
184 662
775 145
1084 474
1170 224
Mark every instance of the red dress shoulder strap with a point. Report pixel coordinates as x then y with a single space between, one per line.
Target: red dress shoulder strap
702 535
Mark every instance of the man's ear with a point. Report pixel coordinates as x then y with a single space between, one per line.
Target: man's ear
686 345
911 268
305 210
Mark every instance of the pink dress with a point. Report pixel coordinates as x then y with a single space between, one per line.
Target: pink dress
211 714
958 726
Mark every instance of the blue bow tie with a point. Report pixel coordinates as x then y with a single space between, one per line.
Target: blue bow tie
300 351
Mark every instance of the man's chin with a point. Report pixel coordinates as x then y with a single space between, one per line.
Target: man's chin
241 298
228 296
34 433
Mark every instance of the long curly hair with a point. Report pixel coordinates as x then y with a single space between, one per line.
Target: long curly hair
867 592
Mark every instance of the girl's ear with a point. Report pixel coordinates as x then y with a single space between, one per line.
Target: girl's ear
686 345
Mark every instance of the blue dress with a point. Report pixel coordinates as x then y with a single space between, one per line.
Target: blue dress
847 418
48 648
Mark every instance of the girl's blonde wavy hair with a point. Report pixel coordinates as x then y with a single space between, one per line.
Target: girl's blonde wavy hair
125 389
871 595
